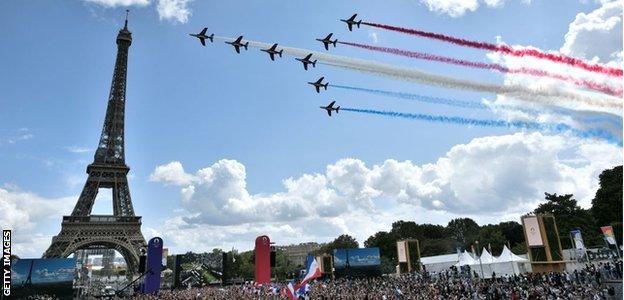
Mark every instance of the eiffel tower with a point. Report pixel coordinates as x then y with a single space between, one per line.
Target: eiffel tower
122 230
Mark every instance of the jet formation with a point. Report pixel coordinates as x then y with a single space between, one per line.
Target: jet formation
319 84
238 43
330 107
351 21
306 61
272 51
202 36
327 40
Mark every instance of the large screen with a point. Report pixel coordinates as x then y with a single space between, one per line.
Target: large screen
364 257
36 278
340 258
198 269
357 257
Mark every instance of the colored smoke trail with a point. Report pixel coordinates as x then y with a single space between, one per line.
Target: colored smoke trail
558 58
550 96
547 127
415 97
580 116
490 66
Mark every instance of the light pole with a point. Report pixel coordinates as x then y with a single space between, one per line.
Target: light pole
480 264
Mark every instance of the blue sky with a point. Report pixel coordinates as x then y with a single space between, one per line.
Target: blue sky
198 105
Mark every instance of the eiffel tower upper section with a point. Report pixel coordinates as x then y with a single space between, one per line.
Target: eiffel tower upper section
111 147
109 169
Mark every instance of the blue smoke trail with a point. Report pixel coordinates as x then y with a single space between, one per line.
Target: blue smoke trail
593 118
420 98
548 127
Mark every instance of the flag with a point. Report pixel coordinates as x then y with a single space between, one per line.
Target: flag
290 291
304 288
313 271
578 239
607 231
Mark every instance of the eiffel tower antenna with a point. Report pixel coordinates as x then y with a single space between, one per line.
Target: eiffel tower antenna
126 23
122 230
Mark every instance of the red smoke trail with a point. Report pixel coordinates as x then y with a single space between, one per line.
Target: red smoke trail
492 66
559 58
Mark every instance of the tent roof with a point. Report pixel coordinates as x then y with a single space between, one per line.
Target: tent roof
486 257
445 258
508 256
465 259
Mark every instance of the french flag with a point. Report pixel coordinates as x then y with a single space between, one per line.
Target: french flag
314 270
290 291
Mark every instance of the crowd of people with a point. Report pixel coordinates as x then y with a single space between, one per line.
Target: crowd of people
585 283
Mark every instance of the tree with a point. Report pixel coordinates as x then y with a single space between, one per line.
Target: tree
570 216
512 231
431 247
491 235
405 230
344 241
386 242
463 231
607 204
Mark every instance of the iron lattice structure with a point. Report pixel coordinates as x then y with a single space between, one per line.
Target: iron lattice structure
122 230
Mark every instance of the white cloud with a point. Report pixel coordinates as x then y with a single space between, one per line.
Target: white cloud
172 173
374 36
76 149
174 10
458 8
490 179
170 10
22 210
494 3
25 213
597 35
453 8
591 35
115 3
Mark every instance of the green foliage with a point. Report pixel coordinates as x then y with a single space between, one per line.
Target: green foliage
607 204
463 231
386 242
569 216
344 241
519 248
491 236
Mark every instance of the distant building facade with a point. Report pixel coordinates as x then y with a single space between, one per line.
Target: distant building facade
298 254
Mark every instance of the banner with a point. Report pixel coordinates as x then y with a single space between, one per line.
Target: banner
578 239
153 266
402 251
34 278
532 230
607 231
364 257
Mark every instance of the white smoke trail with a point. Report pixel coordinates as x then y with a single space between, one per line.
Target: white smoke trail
550 96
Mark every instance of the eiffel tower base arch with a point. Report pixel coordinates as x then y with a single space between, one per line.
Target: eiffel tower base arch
111 232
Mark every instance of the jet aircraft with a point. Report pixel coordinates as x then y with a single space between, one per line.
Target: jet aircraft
306 60
238 43
318 84
351 21
271 51
330 107
327 40
202 36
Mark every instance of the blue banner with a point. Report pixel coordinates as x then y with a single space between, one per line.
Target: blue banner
33 278
153 265
340 258
364 257
357 257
